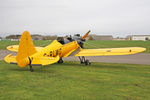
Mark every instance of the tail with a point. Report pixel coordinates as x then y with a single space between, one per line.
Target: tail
26 49
26 53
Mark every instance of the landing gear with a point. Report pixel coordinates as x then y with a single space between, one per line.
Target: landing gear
31 69
87 63
60 61
84 61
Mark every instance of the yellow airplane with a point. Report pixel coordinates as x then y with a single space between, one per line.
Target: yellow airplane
30 55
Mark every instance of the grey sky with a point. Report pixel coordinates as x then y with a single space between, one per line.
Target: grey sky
115 17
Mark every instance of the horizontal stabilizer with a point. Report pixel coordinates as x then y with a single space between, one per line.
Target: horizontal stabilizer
110 51
36 61
10 59
14 48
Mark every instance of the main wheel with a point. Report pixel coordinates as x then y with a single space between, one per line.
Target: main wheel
87 63
82 62
60 61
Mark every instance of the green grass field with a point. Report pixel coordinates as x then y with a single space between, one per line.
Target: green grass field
91 44
73 81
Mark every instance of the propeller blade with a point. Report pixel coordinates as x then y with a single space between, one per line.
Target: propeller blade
86 34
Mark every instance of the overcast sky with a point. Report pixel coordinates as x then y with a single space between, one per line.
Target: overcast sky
113 17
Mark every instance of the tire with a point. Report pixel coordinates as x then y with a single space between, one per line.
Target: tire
60 61
87 63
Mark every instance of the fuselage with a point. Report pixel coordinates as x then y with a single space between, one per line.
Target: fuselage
57 49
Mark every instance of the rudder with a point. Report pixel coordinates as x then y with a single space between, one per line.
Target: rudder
26 49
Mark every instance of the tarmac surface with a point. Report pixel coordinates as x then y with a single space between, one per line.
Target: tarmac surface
141 58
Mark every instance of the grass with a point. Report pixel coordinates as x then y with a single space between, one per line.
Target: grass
73 81
91 44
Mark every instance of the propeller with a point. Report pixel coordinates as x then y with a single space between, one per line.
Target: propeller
76 37
80 40
86 34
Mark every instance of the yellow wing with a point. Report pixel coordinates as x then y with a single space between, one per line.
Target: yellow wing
14 48
110 51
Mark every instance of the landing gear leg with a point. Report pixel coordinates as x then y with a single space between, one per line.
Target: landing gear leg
60 61
84 61
31 69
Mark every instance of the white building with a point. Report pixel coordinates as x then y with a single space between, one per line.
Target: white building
14 39
139 37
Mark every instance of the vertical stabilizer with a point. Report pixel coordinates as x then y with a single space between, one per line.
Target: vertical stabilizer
26 49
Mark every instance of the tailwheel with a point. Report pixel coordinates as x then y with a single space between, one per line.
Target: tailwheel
60 61
31 69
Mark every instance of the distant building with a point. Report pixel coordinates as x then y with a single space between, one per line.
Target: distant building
138 37
102 37
119 39
0 38
14 39
17 37
36 37
49 37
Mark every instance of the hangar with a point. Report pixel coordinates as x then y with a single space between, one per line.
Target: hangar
138 37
